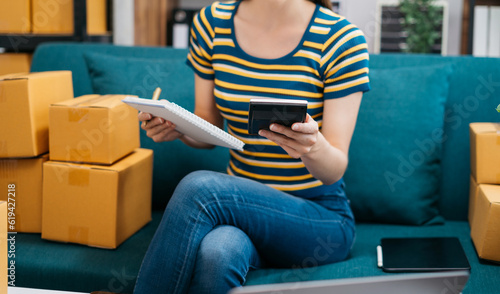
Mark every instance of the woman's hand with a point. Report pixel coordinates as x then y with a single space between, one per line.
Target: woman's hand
158 129
298 141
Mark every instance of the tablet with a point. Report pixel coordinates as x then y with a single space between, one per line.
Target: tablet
422 254
264 112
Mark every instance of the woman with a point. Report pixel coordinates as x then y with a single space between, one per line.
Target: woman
282 203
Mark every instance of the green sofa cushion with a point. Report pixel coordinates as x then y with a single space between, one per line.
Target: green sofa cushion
141 76
394 159
473 96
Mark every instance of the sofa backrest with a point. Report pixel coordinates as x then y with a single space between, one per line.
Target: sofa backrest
474 93
473 96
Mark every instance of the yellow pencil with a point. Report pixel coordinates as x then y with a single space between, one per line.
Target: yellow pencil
156 95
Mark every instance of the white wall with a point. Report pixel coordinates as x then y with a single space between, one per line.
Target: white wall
123 22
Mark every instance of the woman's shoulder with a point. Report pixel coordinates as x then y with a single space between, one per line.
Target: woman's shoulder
333 30
217 11
335 23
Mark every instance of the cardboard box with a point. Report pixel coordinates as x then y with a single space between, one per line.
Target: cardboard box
96 205
485 152
97 17
11 63
93 129
53 17
26 175
56 17
24 110
485 231
473 192
15 17
3 247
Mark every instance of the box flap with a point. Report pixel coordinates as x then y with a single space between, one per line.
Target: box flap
482 128
136 156
76 101
492 193
15 76
33 75
93 101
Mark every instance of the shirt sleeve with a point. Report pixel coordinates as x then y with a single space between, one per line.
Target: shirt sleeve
345 62
201 38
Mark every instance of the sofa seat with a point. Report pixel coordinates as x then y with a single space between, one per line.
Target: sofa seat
71 267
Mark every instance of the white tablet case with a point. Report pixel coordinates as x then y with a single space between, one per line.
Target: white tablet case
186 122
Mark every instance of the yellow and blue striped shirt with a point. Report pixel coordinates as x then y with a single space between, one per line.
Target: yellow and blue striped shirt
330 62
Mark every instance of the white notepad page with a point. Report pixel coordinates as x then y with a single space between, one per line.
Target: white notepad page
186 122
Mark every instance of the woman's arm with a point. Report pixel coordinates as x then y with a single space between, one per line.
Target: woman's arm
161 130
325 153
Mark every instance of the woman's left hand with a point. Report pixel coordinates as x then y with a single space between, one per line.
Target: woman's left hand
297 141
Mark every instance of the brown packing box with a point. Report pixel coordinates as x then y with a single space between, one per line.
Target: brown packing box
24 110
473 191
15 16
26 175
485 230
95 205
52 16
93 129
3 247
15 63
56 17
96 17
485 152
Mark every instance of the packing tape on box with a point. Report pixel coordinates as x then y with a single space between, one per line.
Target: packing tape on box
89 102
79 177
78 234
8 168
78 115
95 100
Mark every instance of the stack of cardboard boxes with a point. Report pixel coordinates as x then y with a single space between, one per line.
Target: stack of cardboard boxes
96 187
49 17
44 17
97 184
484 202
24 130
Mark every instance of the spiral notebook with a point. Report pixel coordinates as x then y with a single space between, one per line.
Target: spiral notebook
186 122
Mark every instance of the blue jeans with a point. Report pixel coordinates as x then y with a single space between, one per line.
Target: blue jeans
217 227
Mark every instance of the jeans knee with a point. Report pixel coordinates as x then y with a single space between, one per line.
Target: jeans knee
224 248
197 187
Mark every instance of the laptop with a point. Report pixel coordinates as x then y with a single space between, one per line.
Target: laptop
450 282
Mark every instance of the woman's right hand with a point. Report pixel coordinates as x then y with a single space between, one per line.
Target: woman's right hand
158 129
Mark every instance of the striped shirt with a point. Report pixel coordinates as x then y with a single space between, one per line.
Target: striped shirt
330 62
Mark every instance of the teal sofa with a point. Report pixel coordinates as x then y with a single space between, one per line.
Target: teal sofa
471 96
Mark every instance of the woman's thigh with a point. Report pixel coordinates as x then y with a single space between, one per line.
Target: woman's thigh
286 230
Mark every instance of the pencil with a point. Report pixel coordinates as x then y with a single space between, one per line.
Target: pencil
156 95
